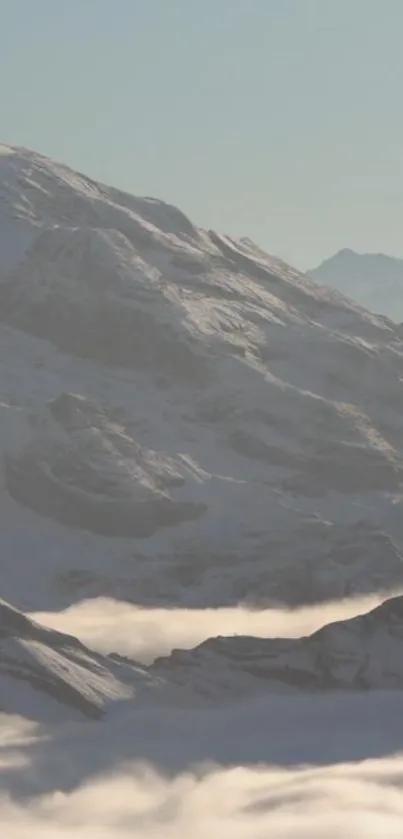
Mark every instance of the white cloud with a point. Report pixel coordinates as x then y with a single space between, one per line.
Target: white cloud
110 626
266 772
342 802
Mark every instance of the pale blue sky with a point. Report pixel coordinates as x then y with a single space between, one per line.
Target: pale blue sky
277 119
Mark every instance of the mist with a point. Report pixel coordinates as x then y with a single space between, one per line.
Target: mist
288 767
107 625
345 801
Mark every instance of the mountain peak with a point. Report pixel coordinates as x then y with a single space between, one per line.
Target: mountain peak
375 280
345 252
171 393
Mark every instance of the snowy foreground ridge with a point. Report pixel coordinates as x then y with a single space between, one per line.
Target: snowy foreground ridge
184 420
46 675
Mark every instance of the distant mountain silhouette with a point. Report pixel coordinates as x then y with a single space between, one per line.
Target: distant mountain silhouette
374 280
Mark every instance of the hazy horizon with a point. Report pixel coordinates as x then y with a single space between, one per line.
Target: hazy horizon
276 121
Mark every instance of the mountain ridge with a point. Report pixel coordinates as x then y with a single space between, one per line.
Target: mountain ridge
151 372
51 676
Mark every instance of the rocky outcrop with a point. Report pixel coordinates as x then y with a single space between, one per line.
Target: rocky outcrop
86 471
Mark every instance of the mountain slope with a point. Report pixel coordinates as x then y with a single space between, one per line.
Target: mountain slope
360 653
47 675
50 676
375 280
183 419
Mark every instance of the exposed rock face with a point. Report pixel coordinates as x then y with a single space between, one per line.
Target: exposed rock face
88 472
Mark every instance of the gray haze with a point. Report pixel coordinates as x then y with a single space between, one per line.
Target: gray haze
374 280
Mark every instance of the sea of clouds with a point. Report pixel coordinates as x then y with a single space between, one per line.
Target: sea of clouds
292 767
343 802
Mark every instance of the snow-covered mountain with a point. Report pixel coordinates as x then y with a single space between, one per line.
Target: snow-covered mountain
375 280
183 418
361 653
47 675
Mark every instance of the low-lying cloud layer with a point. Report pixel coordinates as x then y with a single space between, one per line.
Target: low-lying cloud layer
110 626
342 802
287 767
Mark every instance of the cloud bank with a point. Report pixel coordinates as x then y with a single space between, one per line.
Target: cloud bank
110 626
342 802
285 767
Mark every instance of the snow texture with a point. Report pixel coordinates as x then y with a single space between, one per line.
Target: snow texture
183 419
